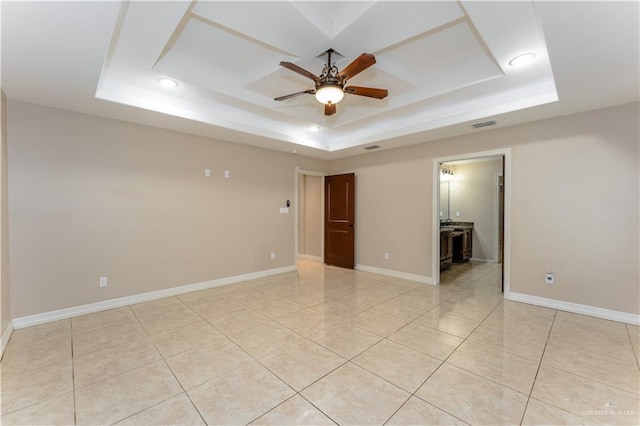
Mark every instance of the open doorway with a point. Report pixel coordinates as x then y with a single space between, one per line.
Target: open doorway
470 218
309 215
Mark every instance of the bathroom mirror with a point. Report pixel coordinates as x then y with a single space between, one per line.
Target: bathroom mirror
445 188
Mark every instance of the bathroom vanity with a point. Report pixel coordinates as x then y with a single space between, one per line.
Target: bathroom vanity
456 243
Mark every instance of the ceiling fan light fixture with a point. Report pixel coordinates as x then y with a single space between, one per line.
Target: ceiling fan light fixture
329 94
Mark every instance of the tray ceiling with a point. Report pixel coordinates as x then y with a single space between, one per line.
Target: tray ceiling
442 62
445 64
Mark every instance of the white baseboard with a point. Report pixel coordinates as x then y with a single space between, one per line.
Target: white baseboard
139 298
481 260
6 335
576 308
397 274
310 257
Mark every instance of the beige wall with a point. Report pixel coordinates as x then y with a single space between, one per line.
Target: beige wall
92 197
474 193
574 205
5 306
312 215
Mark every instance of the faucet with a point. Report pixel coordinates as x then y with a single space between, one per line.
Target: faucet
446 222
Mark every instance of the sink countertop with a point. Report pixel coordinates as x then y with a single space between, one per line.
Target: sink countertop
456 225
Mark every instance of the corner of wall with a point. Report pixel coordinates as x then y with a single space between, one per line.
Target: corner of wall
5 306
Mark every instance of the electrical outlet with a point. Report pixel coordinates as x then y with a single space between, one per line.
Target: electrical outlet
273 255
207 172
549 278
386 256
227 174
103 281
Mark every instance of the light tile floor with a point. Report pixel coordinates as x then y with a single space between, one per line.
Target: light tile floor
324 346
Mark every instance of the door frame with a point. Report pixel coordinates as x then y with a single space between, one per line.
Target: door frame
435 223
299 172
496 217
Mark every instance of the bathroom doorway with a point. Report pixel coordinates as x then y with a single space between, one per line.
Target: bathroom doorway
473 194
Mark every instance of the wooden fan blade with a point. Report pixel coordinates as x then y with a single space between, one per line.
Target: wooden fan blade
293 95
329 109
369 92
360 64
293 67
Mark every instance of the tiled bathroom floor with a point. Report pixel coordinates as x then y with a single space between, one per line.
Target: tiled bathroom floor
324 346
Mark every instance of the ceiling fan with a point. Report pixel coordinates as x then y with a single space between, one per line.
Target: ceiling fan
330 84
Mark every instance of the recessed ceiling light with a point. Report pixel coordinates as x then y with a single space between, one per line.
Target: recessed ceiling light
167 82
522 60
314 128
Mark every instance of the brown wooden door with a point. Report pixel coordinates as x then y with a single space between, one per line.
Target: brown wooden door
339 218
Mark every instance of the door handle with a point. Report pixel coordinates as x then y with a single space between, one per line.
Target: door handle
351 225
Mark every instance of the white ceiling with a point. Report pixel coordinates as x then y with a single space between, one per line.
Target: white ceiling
445 65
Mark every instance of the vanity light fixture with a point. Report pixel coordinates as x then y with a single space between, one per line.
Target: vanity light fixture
446 174
522 60
168 83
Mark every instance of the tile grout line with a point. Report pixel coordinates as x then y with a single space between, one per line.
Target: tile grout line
184 391
633 349
73 375
239 366
567 372
591 379
582 349
533 384
318 408
150 337
49 398
342 321
413 394
145 365
444 361
296 392
113 325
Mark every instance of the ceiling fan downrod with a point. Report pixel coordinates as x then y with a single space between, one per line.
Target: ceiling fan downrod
330 73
